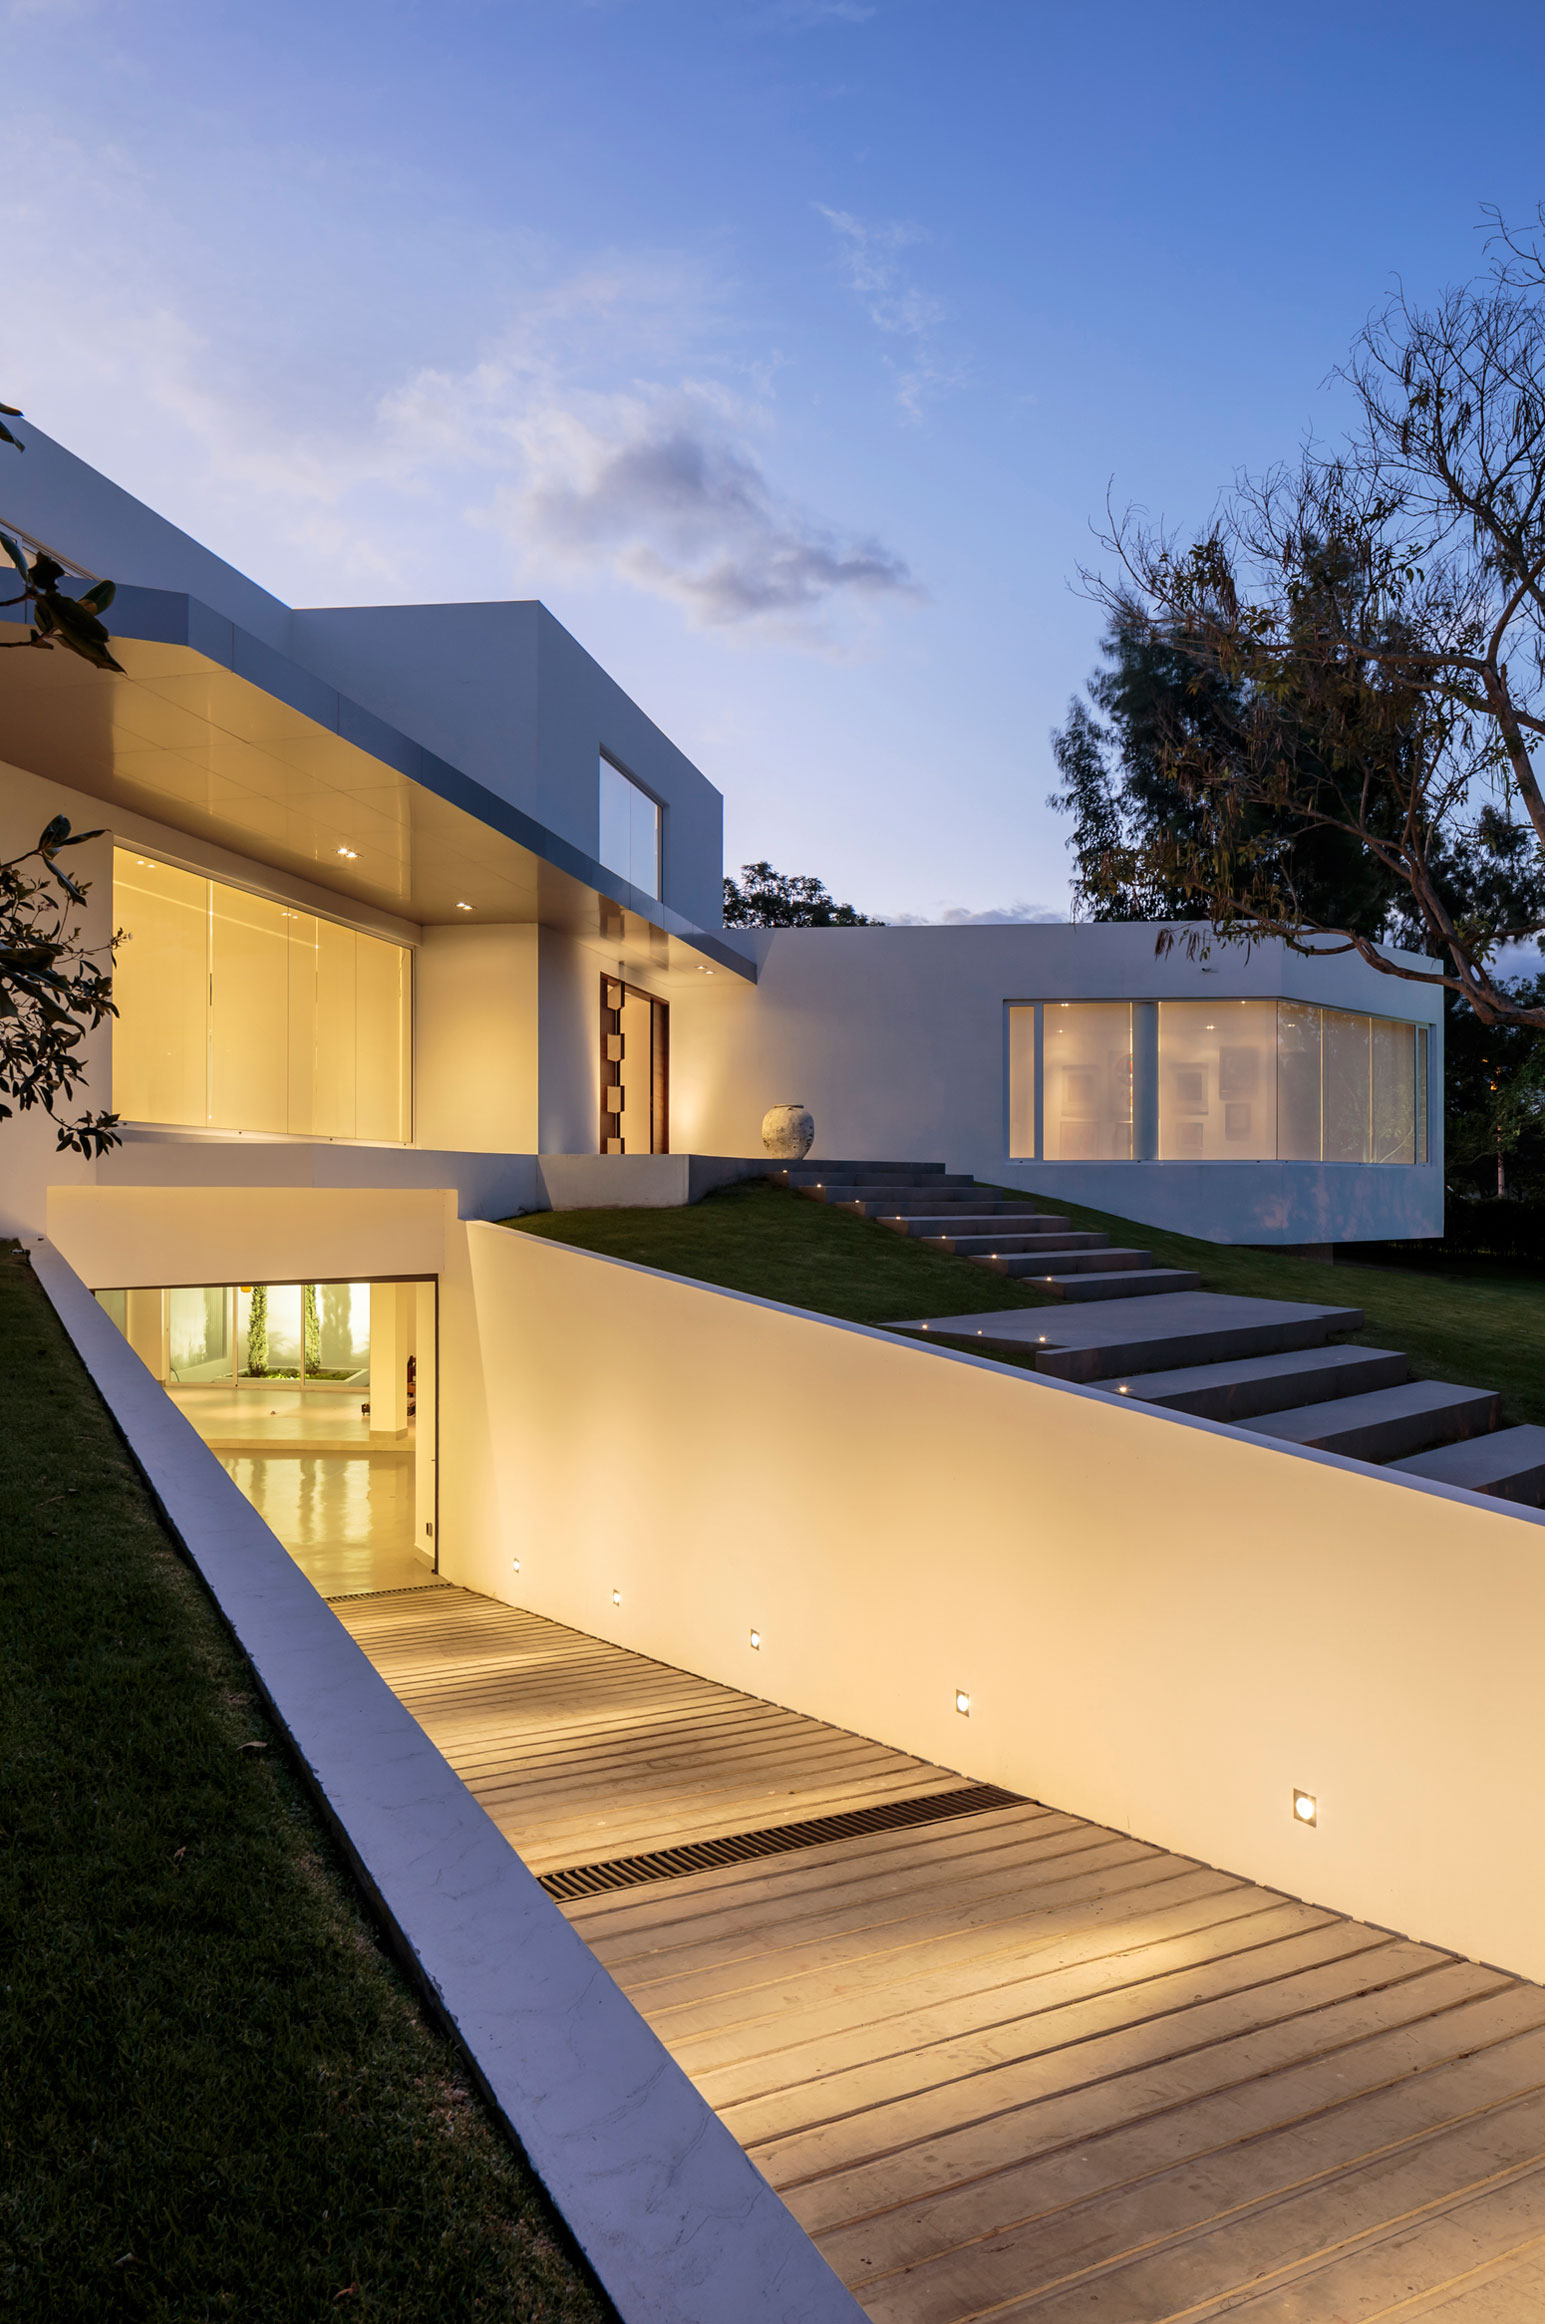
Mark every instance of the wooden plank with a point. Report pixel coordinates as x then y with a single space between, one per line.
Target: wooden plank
1211 2229
1019 2065
1071 2168
983 2042
1134 2073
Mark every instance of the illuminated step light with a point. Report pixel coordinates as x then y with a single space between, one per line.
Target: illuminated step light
963 1702
351 854
616 1597
1306 1808
756 1641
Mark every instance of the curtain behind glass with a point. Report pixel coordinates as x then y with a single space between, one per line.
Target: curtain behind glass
1217 1081
1087 1109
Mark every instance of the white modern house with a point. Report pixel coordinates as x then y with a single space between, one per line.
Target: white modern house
422 879
423 929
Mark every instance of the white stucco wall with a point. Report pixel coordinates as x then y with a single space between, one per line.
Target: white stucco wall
1162 1624
475 1040
894 1037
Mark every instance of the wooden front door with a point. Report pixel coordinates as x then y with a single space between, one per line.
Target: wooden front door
635 1070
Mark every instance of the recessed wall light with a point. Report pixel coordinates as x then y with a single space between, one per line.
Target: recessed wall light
352 853
963 1702
756 1641
1306 1808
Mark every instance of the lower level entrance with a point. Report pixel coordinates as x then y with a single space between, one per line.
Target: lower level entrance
319 1400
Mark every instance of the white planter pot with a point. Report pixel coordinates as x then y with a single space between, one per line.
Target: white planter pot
788 1132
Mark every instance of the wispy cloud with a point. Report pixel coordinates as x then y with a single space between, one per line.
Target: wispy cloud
662 483
614 425
996 916
872 259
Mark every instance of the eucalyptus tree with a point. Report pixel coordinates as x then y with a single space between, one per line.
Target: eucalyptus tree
1366 624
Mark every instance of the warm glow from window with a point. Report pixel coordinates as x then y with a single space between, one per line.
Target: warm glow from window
240 1014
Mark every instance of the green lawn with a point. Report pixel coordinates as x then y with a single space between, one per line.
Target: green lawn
1479 1327
217 2096
755 1237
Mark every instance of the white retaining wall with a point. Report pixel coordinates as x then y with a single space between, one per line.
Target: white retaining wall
1162 1624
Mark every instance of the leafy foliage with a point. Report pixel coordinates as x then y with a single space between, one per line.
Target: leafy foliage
1494 1091
53 990
1345 742
53 619
765 898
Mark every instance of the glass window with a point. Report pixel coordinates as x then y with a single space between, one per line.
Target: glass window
1393 1108
1237 1081
161 986
629 830
1087 1109
1346 1085
1022 1082
1217 1081
240 1014
1298 1082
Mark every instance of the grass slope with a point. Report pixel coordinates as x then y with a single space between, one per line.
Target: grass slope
1478 1328
219 2098
756 1237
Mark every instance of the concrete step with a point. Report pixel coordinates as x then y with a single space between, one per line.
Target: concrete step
816 1173
1010 1239
1114 1339
1389 1423
905 1201
1068 1259
1255 1384
979 1220
1509 1463
1131 1283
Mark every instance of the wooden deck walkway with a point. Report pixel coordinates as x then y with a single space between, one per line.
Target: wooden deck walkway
1010 2065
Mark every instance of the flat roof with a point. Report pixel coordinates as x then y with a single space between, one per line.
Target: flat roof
215 734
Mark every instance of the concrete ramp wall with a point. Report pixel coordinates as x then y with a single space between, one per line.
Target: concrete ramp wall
1159 1623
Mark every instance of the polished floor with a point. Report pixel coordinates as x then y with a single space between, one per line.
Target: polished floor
1014 2065
342 1507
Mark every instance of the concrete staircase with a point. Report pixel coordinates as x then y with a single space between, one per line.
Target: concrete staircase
951 1213
1276 1367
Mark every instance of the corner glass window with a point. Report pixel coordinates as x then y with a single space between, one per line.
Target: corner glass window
1087 1114
1217 1081
630 830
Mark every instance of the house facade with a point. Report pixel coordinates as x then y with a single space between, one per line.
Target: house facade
413 881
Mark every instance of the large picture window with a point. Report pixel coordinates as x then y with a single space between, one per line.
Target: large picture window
1216 1081
240 1014
630 830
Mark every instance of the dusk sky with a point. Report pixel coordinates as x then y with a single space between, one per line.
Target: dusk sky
785 348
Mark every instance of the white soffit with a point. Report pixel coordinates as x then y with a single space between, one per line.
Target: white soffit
207 751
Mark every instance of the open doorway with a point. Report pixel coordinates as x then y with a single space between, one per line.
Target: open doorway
320 1401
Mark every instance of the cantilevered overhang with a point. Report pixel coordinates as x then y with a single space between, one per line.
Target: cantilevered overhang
215 734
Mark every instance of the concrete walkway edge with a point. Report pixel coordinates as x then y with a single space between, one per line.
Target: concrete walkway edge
677 2223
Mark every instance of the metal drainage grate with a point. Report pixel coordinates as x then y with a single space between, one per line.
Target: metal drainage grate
401 1590
741 1847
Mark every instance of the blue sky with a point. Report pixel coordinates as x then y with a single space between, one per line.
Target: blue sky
785 348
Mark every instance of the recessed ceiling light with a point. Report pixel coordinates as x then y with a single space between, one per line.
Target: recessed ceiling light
616 1597
1306 1808
756 1640
963 1702
463 907
351 852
